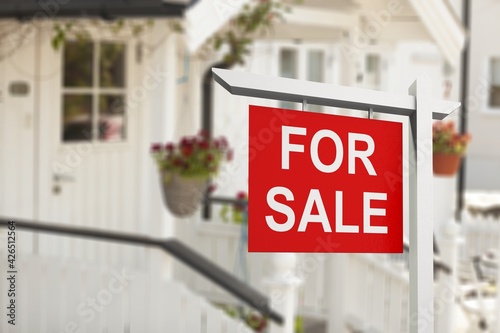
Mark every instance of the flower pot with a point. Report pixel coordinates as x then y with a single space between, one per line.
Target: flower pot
182 195
446 164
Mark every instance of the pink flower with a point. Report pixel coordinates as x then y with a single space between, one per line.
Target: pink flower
156 147
241 195
192 155
203 133
170 147
223 142
187 142
230 155
211 188
449 126
203 145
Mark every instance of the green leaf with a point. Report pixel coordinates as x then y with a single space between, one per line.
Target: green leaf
58 39
55 43
224 213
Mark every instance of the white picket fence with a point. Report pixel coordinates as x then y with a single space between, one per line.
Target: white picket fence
375 297
481 234
64 296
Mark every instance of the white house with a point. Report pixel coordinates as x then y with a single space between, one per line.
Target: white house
76 126
483 161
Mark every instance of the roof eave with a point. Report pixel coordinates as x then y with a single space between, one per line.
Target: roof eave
24 11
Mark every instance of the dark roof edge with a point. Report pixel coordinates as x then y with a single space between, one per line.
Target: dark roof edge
26 11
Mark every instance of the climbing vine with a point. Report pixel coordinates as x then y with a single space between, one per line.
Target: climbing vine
80 29
234 41
254 20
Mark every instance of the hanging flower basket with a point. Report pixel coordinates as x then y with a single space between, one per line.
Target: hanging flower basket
446 164
185 169
448 148
182 195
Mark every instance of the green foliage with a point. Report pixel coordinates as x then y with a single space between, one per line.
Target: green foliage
75 28
445 139
256 321
236 212
299 324
254 20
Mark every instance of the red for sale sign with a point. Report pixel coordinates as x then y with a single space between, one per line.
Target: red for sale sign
324 183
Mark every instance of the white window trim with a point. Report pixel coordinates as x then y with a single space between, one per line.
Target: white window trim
385 52
97 37
331 52
485 107
302 48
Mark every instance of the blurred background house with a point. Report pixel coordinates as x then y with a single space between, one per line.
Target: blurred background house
77 120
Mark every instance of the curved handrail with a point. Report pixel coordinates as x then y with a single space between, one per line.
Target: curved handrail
173 246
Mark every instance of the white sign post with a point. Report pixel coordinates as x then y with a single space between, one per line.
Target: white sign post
422 110
421 219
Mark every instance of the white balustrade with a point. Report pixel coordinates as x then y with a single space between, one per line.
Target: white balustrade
64 296
447 288
372 290
282 285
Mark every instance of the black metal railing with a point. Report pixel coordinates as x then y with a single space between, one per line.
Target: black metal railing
176 248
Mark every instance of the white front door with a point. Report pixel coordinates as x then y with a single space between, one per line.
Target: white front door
88 145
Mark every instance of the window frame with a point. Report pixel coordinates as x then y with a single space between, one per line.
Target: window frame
330 61
385 53
366 84
96 91
485 104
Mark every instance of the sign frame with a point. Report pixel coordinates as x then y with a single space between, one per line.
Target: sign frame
421 109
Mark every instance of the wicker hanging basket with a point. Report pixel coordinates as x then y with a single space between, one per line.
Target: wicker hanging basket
183 195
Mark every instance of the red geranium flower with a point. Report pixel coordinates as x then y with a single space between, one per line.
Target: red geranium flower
186 142
203 133
212 188
187 151
170 147
192 156
203 145
156 147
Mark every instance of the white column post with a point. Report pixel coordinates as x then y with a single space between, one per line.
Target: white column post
447 290
497 323
421 202
283 285
158 125
337 266
444 203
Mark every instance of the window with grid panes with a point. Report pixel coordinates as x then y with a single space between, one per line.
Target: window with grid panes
94 91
